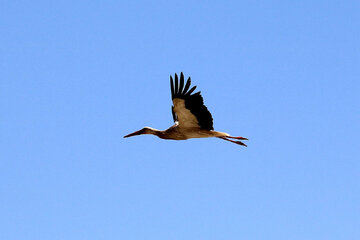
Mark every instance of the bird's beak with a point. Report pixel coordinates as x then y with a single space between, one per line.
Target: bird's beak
134 133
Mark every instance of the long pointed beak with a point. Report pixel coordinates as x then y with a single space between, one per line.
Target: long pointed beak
134 133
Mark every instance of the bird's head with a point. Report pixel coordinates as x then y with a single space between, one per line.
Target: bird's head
145 130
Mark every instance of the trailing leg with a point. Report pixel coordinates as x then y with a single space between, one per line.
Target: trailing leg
237 142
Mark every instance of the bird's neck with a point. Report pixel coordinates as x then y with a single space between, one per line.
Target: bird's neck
155 132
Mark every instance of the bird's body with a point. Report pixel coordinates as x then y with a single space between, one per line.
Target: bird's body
177 133
192 118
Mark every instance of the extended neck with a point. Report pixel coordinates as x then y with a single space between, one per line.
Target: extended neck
154 131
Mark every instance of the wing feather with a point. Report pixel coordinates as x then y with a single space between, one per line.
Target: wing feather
181 83
191 90
172 87
188 82
176 83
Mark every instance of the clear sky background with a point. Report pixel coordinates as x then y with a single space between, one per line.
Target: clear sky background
76 76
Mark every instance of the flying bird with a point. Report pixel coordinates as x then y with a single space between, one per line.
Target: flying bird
192 118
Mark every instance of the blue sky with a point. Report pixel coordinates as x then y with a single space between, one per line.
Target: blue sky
77 76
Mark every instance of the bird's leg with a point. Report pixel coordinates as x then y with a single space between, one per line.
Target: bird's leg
237 142
240 138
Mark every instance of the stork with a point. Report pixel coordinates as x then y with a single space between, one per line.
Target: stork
192 118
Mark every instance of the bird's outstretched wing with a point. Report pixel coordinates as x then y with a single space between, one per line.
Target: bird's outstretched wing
189 109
